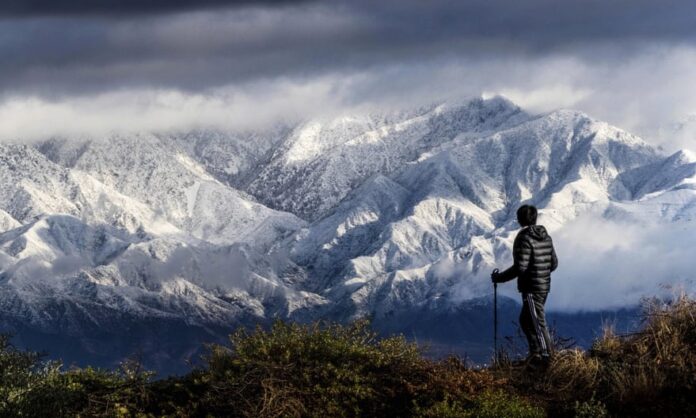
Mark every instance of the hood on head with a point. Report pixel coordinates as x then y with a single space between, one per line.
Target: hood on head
537 232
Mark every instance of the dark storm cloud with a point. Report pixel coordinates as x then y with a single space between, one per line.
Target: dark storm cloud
85 7
60 49
88 65
541 23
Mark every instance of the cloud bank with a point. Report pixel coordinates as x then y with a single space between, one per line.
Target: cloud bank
628 62
163 110
607 264
644 95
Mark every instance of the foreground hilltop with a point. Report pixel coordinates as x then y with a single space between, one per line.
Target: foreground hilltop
325 369
156 242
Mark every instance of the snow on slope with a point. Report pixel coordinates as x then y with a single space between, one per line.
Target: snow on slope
322 161
374 214
131 226
457 206
173 185
231 157
32 186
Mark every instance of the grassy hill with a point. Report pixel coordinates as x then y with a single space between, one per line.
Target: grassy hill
331 370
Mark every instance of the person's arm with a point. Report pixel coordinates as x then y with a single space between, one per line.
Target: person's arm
554 259
506 275
521 253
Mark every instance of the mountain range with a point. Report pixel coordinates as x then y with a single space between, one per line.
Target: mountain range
150 244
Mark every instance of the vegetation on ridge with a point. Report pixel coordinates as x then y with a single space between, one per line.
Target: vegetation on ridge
331 370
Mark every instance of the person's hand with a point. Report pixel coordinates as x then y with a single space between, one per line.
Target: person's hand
495 275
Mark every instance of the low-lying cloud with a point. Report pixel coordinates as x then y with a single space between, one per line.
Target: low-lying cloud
124 112
607 91
607 264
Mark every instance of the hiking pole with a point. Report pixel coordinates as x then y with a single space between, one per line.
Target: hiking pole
495 318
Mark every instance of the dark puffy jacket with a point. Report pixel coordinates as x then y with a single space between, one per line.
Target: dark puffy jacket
534 259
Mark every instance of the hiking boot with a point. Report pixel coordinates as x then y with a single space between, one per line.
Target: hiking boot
537 362
532 358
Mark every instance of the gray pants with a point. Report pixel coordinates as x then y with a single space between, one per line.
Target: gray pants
533 324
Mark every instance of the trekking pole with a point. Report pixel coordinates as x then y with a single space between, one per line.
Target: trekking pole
495 319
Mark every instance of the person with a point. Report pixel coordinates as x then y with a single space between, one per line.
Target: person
534 258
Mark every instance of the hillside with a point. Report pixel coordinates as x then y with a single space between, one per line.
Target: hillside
328 369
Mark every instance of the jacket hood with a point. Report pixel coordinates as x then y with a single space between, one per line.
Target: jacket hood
538 232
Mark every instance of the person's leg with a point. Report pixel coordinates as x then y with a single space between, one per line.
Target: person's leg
539 318
539 302
528 327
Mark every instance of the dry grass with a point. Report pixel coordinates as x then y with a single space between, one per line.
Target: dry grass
649 372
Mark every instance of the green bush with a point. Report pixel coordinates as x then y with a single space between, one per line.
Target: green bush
498 404
590 409
21 375
30 387
314 370
489 404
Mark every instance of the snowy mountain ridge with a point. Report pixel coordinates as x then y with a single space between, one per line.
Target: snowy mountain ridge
379 214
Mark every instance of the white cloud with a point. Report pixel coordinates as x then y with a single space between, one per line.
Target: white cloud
544 99
611 264
247 107
648 90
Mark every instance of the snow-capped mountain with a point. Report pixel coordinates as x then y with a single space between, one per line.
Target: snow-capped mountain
429 231
156 242
320 162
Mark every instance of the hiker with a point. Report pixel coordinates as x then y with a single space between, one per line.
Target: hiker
534 259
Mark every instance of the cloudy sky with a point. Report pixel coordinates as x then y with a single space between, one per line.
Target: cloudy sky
91 66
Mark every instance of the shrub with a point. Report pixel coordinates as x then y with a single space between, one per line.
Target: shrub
489 404
30 387
21 372
590 409
95 392
498 404
331 370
